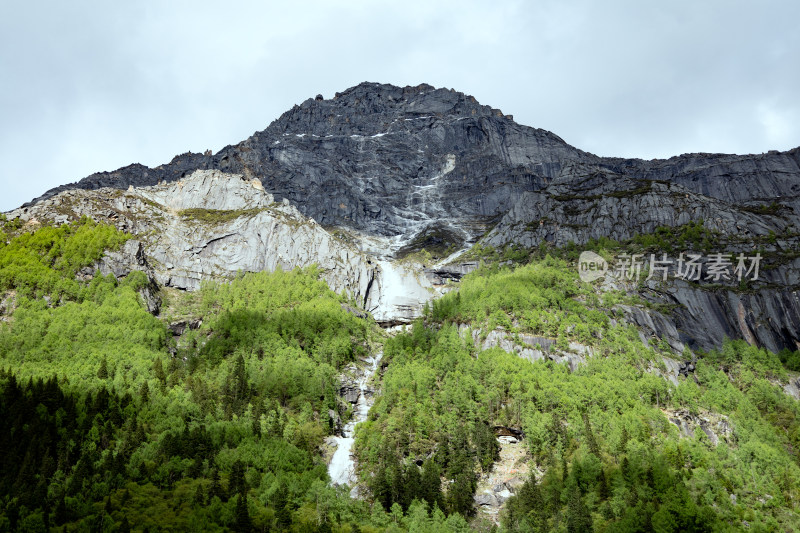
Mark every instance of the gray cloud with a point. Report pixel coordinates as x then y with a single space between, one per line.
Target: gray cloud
89 86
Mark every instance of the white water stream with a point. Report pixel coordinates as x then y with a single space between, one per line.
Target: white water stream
341 469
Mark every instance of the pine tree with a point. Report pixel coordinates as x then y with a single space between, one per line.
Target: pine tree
393 478
557 429
579 519
144 392
243 523
459 495
603 490
387 484
623 441
102 372
412 482
216 487
486 446
258 408
236 481
239 388
199 498
590 440
381 490
431 483
158 372
281 504
196 468
627 473
527 506
60 515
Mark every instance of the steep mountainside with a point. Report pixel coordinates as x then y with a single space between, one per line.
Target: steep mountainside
395 170
214 225
585 203
393 160
399 310
385 160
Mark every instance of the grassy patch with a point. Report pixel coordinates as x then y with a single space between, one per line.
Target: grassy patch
767 209
216 216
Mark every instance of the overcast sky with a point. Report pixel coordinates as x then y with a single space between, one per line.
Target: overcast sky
91 86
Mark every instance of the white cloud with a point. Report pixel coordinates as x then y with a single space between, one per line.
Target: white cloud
89 86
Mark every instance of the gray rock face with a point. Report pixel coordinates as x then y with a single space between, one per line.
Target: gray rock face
730 178
391 164
652 324
767 317
8 302
486 499
532 348
584 202
213 225
792 389
382 159
716 427
398 294
210 190
129 258
121 263
350 394
440 274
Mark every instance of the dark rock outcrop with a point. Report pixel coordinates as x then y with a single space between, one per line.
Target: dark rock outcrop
586 202
403 167
382 159
179 327
392 160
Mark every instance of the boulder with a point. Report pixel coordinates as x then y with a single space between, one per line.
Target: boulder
486 499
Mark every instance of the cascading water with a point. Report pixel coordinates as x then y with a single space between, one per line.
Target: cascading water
341 469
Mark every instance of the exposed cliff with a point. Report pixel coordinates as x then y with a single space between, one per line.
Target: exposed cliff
398 169
585 202
214 225
393 161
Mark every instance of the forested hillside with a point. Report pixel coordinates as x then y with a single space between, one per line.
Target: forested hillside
600 437
109 424
116 420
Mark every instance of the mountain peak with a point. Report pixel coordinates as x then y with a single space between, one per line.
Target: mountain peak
369 108
405 162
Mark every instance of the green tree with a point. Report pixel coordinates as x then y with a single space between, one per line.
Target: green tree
102 372
579 519
430 483
243 522
158 372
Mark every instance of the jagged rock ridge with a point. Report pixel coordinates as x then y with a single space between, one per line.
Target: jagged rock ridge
391 160
383 159
397 166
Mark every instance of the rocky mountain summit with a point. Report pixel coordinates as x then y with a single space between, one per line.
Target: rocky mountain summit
378 171
384 160
395 161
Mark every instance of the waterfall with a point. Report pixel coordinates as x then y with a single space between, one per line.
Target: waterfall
341 468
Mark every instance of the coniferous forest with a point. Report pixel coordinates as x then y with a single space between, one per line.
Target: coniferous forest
113 422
